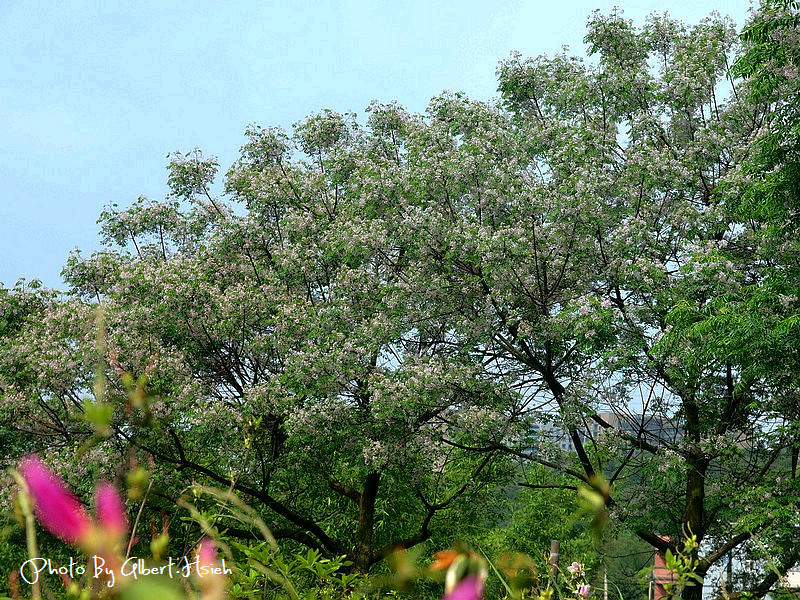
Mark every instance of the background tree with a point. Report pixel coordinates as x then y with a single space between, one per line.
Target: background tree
756 329
580 236
280 355
363 332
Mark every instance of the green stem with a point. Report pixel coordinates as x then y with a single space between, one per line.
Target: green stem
26 507
33 550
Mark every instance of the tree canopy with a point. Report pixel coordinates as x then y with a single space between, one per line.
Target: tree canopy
361 334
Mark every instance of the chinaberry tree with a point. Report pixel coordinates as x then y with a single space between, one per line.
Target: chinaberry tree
646 165
374 314
286 353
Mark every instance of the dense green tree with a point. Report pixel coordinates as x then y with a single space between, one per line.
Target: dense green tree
586 267
281 354
371 321
755 328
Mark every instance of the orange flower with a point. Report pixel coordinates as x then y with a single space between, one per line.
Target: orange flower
442 560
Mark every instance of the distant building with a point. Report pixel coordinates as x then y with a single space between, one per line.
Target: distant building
792 579
655 429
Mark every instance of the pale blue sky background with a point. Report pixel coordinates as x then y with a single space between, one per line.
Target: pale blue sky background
93 95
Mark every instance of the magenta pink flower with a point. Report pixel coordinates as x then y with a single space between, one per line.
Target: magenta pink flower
110 510
57 508
207 551
583 590
469 588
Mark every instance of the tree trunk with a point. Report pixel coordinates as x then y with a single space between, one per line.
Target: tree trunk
694 592
697 464
366 523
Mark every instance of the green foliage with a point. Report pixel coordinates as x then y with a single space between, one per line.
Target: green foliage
361 335
682 566
262 571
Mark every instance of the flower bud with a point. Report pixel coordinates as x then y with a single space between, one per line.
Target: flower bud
57 509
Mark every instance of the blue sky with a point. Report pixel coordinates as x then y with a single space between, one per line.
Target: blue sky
93 95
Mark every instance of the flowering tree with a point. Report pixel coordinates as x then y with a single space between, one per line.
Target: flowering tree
374 313
648 158
284 352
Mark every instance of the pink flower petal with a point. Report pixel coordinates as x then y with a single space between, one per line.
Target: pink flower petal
110 510
57 508
574 567
207 551
469 588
